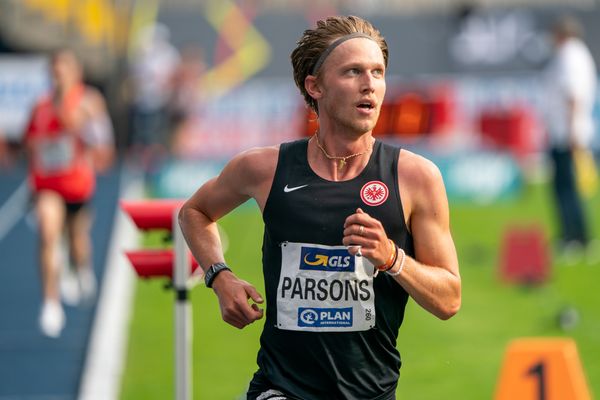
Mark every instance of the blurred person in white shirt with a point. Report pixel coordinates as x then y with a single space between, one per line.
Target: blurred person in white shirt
151 72
571 82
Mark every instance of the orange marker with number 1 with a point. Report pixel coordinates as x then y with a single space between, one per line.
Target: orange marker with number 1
542 369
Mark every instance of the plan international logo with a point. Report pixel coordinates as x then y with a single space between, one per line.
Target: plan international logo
334 260
324 317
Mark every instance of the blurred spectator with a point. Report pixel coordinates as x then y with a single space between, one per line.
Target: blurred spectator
152 67
186 95
186 100
570 79
69 136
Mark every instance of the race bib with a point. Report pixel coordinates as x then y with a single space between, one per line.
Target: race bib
324 289
55 154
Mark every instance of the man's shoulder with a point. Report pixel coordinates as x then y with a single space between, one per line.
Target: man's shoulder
256 161
256 154
415 160
251 171
262 161
421 182
417 169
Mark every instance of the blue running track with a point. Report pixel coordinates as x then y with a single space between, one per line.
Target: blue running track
33 367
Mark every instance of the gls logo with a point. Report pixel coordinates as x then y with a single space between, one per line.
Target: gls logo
334 260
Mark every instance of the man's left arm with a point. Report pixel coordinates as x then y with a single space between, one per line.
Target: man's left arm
432 277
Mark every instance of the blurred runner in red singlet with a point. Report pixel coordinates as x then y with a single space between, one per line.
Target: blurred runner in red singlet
68 139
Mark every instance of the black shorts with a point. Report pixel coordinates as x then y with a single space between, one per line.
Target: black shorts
271 394
261 389
71 208
74 208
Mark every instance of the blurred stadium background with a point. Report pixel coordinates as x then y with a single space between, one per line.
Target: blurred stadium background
190 83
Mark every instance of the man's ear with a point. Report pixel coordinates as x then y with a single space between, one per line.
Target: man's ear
312 86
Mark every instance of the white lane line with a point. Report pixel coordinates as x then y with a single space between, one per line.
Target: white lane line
107 348
13 209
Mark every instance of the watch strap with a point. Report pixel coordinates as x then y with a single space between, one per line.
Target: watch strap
213 271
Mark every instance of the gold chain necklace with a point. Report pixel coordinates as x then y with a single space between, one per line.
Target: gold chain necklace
340 160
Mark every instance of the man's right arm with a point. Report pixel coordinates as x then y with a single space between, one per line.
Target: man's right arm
248 175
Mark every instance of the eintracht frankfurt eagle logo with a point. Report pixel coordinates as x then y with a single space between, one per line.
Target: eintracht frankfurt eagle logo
374 193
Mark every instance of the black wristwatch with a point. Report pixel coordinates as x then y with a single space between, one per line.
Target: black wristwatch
212 272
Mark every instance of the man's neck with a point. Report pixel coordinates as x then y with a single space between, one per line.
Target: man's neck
338 157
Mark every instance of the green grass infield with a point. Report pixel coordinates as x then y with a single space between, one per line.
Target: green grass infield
456 359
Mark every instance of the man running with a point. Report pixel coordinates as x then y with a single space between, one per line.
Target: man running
353 227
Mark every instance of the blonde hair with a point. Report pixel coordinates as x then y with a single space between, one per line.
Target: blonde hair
314 42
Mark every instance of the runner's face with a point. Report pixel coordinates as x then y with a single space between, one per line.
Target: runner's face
353 86
65 70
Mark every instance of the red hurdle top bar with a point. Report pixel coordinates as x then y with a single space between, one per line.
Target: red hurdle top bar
152 214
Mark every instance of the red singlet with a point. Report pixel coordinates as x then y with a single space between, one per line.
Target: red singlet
58 161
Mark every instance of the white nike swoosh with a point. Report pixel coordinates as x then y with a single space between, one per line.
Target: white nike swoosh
287 189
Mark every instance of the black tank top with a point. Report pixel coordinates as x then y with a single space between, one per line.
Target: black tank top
331 327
